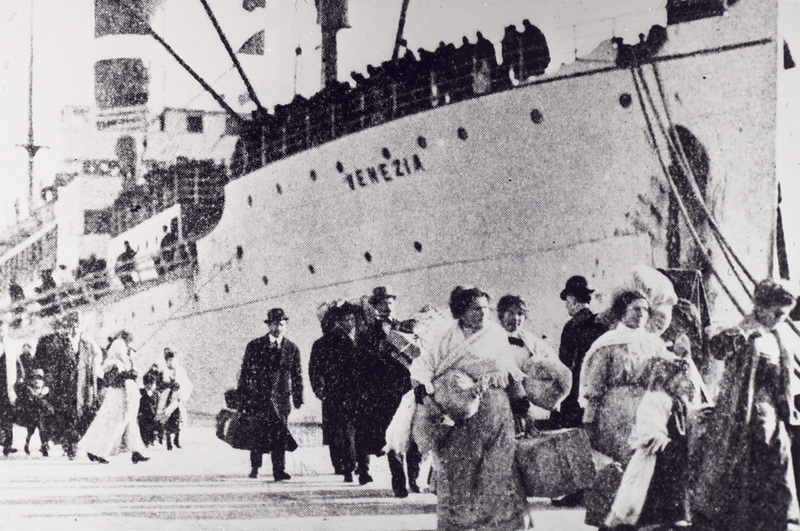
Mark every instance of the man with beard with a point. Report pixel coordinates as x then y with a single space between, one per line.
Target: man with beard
330 369
384 379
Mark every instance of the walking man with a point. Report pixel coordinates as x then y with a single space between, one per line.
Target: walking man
270 380
384 379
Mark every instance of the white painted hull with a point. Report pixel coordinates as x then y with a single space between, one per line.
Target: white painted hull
515 207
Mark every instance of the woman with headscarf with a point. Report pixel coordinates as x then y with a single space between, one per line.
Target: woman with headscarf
115 428
615 375
464 378
746 481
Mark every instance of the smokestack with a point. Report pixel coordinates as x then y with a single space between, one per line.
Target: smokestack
331 17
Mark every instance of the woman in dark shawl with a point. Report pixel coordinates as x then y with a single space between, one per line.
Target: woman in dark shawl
747 481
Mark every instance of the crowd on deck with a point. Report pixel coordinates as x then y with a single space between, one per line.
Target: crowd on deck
393 89
680 428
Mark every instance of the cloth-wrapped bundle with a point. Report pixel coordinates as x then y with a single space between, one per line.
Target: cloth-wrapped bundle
547 381
456 398
555 463
457 394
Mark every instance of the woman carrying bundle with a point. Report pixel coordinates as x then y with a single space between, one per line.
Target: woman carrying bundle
467 419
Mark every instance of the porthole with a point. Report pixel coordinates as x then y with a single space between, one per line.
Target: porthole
311 269
537 116
462 133
386 153
313 175
197 297
265 280
152 309
227 288
169 304
249 200
418 247
339 166
278 188
368 256
239 252
625 100
421 142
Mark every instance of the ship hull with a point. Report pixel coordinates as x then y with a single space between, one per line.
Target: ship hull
513 192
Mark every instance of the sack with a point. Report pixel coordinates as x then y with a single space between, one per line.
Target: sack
247 432
457 394
555 463
600 495
427 428
632 491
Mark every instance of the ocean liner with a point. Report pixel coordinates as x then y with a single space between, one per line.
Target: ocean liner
476 163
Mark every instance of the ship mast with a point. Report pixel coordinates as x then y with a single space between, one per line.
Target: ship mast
31 146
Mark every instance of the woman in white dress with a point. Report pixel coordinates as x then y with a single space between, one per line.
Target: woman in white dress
115 429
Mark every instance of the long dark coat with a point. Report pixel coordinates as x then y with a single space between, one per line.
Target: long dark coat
331 369
577 336
383 380
746 481
269 379
55 357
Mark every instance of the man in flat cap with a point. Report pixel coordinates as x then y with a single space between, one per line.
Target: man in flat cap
271 378
383 380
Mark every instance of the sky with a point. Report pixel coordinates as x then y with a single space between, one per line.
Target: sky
65 50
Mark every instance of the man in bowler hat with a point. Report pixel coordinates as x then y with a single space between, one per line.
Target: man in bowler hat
577 336
271 378
383 380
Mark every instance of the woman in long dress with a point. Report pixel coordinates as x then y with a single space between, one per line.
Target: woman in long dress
115 429
477 484
746 479
615 375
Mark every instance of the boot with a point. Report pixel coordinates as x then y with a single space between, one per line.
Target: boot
169 441
253 473
177 439
136 457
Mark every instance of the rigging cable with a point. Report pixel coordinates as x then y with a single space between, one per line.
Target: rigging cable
169 318
677 145
687 170
680 202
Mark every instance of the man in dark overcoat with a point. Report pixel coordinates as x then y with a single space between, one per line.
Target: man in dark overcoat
9 368
578 334
331 369
270 380
56 357
383 380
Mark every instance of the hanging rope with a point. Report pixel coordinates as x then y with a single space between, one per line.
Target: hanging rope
727 252
677 146
675 192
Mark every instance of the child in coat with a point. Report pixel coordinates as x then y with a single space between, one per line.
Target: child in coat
35 411
148 407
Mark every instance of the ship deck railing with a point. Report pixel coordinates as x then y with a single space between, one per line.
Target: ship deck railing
411 85
124 279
